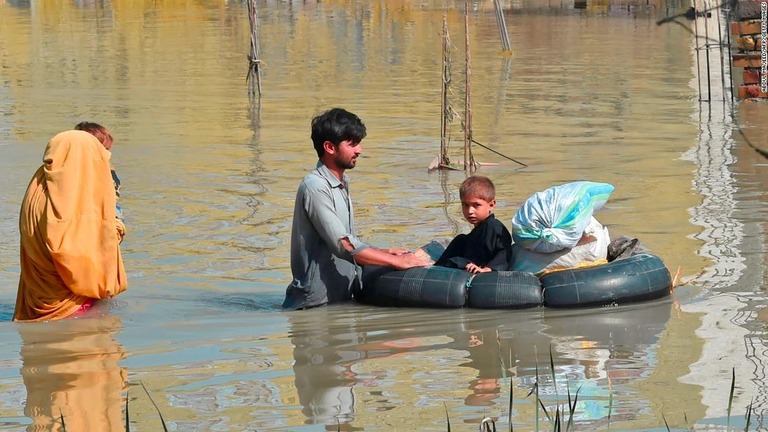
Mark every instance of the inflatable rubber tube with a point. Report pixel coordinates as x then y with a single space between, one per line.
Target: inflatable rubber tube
429 287
504 290
640 277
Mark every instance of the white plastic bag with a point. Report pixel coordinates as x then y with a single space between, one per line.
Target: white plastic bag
555 219
591 248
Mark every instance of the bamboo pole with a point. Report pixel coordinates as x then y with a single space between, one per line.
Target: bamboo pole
720 49
442 161
501 22
706 52
698 50
469 161
254 60
728 17
446 82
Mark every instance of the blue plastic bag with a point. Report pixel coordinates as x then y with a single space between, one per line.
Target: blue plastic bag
555 219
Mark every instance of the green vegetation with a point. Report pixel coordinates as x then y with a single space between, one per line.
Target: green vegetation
557 418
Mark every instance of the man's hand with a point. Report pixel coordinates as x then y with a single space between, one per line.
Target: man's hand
396 251
410 260
384 257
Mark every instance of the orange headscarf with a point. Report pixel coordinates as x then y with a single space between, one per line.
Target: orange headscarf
70 237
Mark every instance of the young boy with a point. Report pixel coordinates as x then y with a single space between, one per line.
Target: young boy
105 138
488 246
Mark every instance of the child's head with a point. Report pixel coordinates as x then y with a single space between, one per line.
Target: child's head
478 199
100 132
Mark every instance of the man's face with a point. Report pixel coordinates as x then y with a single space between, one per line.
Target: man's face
346 154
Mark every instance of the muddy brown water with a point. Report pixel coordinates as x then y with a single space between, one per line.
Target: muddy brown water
601 94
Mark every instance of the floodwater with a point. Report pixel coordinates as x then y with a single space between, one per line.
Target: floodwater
601 94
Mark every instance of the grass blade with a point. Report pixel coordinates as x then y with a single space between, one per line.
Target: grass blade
501 355
665 422
749 414
552 369
610 408
538 403
730 399
447 419
536 386
153 403
127 415
533 389
610 400
546 413
511 401
572 409
488 425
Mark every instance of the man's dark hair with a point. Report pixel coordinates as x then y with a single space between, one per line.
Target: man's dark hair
336 125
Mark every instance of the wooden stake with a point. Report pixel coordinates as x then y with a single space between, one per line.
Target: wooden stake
254 61
469 160
442 161
446 82
501 22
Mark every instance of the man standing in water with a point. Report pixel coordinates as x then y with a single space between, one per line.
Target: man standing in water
325 253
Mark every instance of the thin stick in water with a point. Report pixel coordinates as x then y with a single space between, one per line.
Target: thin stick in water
469 160
445 85
254 61
502 24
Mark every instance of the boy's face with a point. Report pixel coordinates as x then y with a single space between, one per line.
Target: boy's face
475 209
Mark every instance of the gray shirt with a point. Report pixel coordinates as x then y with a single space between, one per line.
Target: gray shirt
323 271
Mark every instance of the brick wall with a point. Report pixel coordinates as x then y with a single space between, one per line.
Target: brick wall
747 54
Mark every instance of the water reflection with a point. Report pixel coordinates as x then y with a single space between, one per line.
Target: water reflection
729 281
352 363
322 367
608 350
750 166
71 371
21 4
357 364
210 209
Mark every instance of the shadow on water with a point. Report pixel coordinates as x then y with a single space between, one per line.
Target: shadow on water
245 303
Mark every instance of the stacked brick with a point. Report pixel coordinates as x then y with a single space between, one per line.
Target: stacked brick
747 61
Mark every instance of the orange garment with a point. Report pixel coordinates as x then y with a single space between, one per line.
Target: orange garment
70 237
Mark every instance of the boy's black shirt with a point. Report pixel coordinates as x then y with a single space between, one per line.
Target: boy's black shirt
487 245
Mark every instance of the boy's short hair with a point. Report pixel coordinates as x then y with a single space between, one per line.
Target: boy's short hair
100 132
336 125
478 186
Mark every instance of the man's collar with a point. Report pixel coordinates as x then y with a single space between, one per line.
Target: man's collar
330 177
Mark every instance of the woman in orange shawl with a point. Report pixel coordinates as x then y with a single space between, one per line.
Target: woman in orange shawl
70 237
